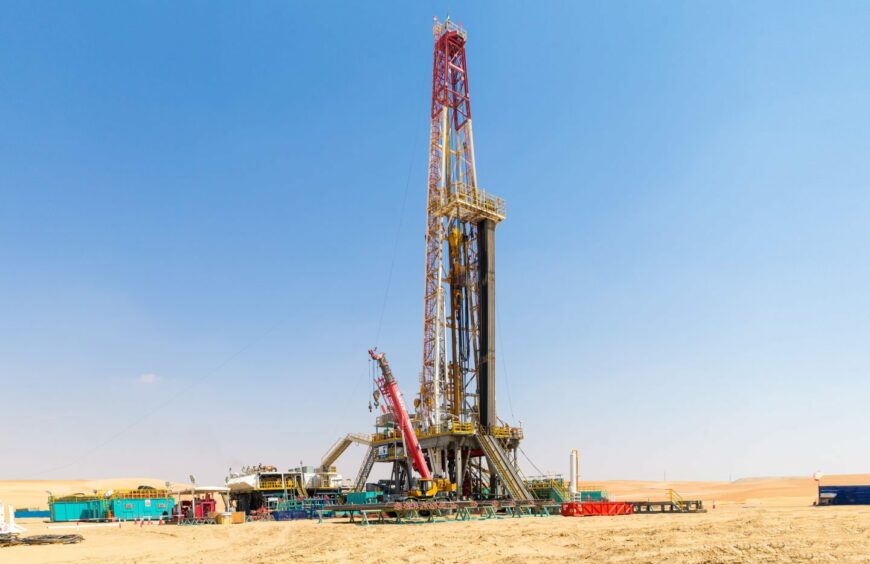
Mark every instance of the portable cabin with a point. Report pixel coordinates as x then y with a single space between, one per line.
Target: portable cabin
130 509
141 503
844 495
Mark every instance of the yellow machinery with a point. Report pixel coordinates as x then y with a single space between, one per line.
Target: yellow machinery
427 489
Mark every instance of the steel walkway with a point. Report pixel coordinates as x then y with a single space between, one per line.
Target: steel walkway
341 445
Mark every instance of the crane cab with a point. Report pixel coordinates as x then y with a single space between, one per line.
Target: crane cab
428 489
425 489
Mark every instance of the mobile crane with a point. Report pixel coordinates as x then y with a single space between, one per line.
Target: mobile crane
389 390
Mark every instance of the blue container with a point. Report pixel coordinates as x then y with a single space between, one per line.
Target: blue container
25 513
593 495
147 508
77 510
355 498
844 495
282 515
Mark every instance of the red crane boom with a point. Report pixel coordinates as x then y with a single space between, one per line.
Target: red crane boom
390 390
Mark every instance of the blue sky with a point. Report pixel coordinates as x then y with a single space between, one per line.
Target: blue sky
199 205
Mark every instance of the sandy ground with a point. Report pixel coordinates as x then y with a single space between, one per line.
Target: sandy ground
760 519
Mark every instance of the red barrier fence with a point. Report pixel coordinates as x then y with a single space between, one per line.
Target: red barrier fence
571 509
592 508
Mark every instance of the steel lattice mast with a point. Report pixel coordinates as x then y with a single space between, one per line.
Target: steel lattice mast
457 380
469 452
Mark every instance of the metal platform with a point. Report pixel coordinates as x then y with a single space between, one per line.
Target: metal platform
683 506
418 512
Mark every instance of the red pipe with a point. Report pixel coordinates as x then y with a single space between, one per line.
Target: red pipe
390 389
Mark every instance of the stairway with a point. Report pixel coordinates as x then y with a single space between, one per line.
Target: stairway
561 492
299 486
510 475
360 483
676 500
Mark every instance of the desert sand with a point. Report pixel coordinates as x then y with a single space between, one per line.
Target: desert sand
755 519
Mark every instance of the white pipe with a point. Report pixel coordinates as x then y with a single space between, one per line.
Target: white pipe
575 471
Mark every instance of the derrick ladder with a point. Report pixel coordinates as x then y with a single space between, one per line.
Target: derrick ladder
509 474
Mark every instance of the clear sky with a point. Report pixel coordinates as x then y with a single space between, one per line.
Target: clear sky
200 202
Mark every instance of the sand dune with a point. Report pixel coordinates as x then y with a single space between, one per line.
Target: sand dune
755 519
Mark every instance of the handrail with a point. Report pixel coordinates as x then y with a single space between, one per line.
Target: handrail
300 486
365 469
272 484
439 28
676 499
75 497
139 494
113 494
477 198
449 428
509 473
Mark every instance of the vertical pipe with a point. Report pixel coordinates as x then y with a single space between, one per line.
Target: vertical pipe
575 471
459 470
486 301
440 320
470 140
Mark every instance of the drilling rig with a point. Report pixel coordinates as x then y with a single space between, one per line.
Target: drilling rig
467 449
